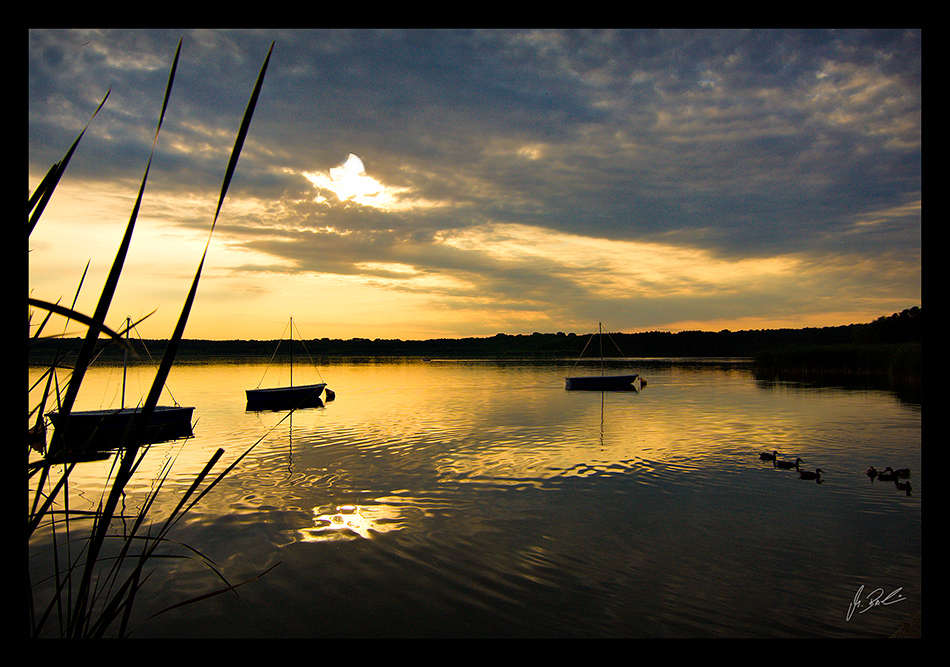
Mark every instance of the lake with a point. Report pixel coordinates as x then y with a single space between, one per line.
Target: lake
480 499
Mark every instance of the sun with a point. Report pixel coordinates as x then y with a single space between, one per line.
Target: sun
350 182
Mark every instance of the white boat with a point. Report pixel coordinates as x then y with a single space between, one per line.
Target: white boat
603 382
286 398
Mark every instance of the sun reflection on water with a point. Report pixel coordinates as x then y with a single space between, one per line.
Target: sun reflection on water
350 522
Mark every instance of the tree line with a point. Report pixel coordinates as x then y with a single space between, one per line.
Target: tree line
899 328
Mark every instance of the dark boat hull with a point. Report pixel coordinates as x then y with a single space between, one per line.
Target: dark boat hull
602 382
285 398
95 430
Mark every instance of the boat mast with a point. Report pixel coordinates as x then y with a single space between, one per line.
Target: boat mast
600 339
125 357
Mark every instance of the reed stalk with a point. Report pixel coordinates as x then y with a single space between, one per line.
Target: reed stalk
97 575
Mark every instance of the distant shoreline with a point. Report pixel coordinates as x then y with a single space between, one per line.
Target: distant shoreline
885 353
887 342
723 344
824 345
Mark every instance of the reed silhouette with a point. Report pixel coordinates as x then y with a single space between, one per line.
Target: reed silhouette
95 592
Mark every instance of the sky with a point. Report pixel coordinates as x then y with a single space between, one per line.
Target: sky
421 184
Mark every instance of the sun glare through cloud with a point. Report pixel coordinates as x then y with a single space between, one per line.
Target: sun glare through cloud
349 182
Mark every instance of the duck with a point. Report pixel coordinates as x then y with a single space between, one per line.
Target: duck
872 473
887 475
902 472
787 465
765 456
903 486
807 474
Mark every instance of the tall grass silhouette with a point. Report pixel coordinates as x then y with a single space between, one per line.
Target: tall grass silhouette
96 571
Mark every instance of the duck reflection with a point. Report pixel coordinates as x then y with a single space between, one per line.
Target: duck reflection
891 475
788 465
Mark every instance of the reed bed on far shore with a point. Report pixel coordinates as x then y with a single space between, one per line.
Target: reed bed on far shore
897 366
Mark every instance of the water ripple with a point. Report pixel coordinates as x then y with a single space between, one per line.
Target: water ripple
419 504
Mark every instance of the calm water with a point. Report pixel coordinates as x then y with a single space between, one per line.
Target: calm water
453 498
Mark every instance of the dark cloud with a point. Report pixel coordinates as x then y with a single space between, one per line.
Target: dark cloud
739 142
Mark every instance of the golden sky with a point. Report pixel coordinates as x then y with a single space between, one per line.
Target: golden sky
429 184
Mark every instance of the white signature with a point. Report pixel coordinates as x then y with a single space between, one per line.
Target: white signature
873 599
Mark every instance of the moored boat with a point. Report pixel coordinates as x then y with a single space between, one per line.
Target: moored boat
84 430
603 382
286 398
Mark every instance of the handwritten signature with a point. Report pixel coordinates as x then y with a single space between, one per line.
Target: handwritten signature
875 598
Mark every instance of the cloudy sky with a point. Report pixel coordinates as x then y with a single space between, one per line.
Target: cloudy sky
425 184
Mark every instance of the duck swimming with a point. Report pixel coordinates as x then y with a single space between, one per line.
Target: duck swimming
765 456
787 465
902 472
807 474
903 486
872 473
887 475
